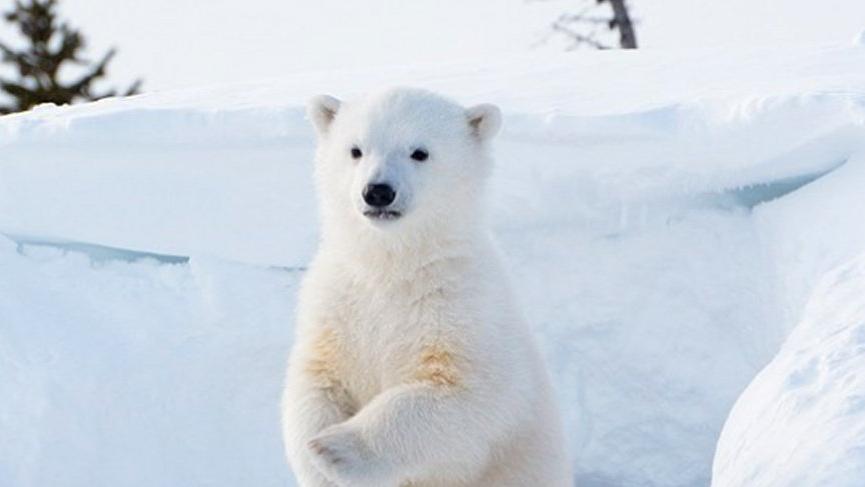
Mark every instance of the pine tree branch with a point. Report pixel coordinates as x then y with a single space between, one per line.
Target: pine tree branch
82 86
134 88
71 42
23 61
23 97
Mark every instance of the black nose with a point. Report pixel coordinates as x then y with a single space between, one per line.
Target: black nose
378 195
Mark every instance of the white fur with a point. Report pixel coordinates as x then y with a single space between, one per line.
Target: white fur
412 365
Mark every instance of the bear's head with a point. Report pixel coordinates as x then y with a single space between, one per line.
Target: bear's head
401 161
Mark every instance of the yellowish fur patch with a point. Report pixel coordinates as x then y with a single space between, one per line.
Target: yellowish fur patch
438 366
323 362
325 365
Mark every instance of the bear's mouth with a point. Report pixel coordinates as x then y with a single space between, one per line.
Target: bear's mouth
382 214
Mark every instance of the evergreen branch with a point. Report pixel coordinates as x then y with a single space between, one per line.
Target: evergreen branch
82 86
134 88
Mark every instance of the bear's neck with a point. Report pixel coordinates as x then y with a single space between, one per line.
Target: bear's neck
372 251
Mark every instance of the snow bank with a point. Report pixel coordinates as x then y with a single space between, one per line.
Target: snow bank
140 373
658 211
619 314
225 171
802 420
812 231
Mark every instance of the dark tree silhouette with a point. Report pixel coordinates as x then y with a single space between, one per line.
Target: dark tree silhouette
583 27
51 45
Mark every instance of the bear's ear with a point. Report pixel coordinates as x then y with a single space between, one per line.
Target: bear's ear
485 120
321 110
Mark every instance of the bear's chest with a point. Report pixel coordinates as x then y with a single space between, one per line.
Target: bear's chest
386 331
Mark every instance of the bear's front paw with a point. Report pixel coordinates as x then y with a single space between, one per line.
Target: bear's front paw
342 456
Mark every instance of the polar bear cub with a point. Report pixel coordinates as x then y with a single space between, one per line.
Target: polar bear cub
412 366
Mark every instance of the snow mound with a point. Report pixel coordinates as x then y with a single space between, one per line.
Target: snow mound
795 425
802 420
140 373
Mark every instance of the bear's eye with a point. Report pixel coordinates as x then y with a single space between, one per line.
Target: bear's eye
420 155
356 153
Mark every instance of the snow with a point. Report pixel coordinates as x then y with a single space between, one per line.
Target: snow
135 373
800 422
860 39
812 231
695 123
666 216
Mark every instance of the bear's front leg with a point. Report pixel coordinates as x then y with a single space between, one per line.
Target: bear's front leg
306 412
314 399
410 432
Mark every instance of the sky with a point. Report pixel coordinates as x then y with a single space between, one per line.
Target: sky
182 43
